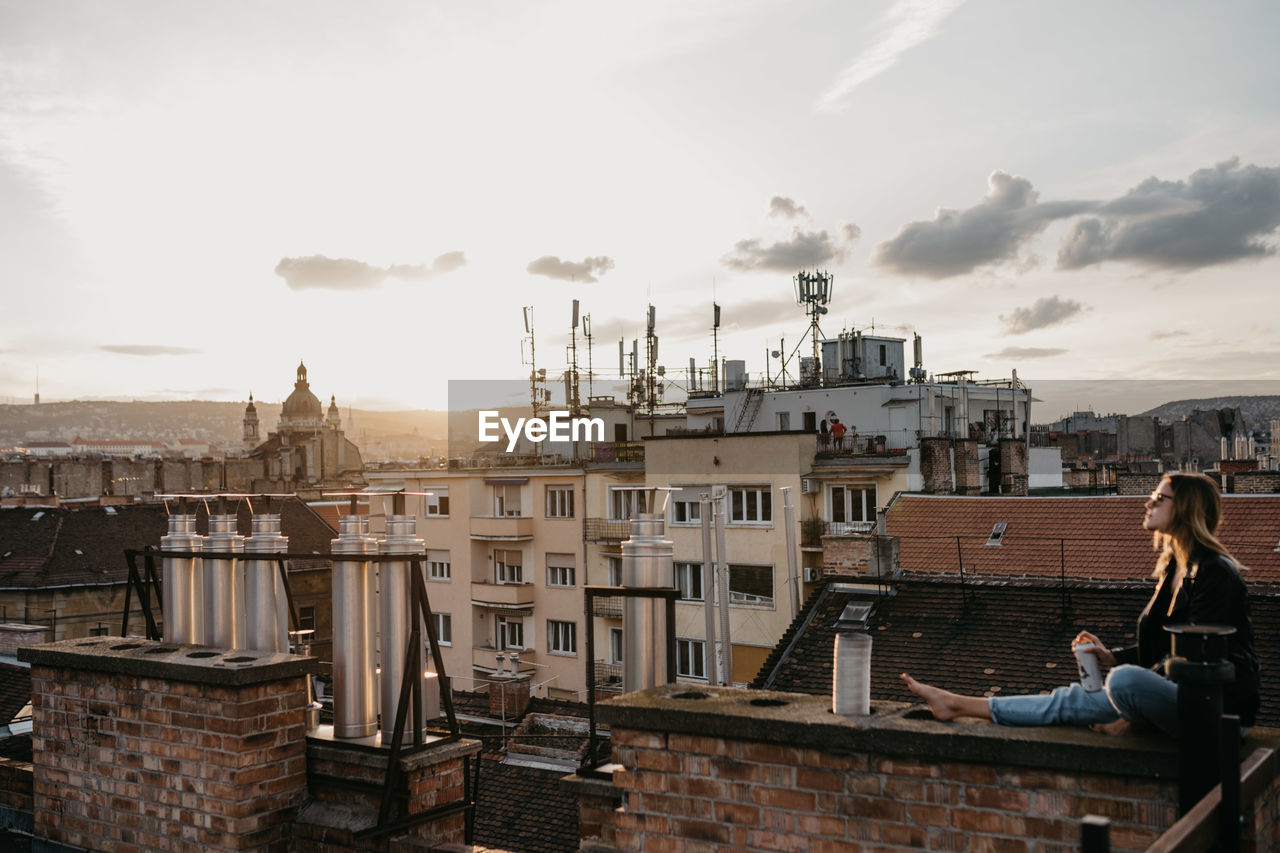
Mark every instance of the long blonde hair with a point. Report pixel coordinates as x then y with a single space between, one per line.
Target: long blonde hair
1197 512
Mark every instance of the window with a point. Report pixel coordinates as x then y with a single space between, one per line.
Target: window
615 571
691 658
689 581
508 566
615 645
560 570
751 585
562 637
436 503
506 500
784 421
307 618
510 633
625 503
559 501
883 355
686 504
438 565
853 506
100 631
751 505
444 628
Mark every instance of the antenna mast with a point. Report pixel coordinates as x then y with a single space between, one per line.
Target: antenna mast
715 348
539 396
813 291
586 333
572 395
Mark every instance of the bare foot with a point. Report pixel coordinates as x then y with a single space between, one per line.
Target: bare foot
946 705
1118 727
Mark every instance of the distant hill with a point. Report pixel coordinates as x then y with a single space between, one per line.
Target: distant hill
1258 411
215 422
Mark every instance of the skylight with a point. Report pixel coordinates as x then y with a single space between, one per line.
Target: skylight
855 614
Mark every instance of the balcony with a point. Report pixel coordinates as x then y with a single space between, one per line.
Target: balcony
604 531
502 596
509 528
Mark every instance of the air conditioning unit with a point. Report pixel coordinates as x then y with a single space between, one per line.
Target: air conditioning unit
808 486
812 574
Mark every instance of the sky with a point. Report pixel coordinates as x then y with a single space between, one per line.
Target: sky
195 196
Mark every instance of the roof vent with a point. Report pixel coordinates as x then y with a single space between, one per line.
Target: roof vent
997 533
78 551
37 516
109 510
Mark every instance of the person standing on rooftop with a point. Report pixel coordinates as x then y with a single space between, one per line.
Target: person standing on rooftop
1197 582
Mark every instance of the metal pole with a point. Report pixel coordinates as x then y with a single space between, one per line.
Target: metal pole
708 586
726 649
793 573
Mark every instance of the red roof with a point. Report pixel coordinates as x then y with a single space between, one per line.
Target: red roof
1081 537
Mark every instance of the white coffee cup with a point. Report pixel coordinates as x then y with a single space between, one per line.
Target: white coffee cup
1087 663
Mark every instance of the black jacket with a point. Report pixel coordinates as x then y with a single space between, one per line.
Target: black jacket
1212 594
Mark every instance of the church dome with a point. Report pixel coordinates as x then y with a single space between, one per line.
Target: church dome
302 406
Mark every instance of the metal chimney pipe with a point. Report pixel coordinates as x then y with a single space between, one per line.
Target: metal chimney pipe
355 704
394 599
265 601
646 562
183 579
223 586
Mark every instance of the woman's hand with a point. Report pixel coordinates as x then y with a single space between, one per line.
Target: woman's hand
1101 652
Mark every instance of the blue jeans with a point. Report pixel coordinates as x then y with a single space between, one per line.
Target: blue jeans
1131 692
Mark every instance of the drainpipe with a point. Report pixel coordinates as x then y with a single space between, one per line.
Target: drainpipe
793 576
708 586
726 649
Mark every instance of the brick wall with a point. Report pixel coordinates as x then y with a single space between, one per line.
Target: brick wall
1137 484
855 555
1257 482
757 771
14 636
968 468
141 745
346 782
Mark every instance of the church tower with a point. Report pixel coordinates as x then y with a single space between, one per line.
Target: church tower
250 425
334 418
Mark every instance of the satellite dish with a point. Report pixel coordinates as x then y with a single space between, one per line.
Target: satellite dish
775 353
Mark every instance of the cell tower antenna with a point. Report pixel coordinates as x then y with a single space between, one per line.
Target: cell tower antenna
715 347
573 397
539 396
813 292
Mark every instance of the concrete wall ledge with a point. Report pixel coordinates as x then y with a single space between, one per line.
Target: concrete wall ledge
895 729
169 661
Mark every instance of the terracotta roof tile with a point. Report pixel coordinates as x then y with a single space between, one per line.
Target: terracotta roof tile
1081 537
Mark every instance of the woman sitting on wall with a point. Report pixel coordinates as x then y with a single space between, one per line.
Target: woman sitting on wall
1197 582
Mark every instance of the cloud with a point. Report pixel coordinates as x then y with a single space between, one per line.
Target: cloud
787 208
323 273
1222 214
1025 352
804 249
144 349
1163 334
552 267
1045 311
959 241
906 24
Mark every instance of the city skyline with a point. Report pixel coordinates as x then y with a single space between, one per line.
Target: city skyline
195 197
